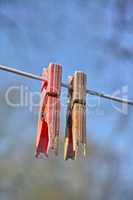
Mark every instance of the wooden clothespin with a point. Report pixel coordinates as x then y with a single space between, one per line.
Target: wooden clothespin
76 119
49 115
69 152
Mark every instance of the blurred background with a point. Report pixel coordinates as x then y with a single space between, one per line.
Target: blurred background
95 36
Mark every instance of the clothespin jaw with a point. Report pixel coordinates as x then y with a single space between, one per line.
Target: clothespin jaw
75 139
49 115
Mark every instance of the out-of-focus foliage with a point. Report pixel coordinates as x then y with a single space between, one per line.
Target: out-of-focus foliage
22 176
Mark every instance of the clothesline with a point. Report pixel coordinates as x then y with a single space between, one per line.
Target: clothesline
88 91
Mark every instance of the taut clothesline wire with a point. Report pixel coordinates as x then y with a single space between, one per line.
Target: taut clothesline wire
91 92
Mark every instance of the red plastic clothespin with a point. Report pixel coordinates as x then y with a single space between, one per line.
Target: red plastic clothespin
49 116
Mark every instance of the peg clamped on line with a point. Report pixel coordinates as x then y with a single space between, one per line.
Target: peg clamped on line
75 140
49 115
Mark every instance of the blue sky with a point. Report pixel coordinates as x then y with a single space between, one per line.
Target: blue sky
75 34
